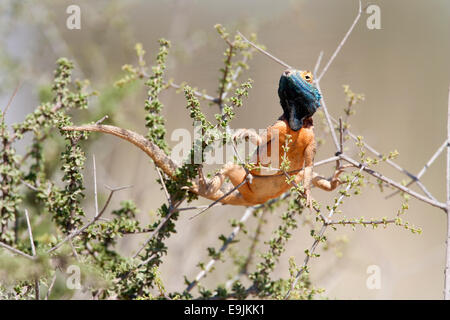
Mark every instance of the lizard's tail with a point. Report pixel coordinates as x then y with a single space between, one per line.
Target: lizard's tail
162 160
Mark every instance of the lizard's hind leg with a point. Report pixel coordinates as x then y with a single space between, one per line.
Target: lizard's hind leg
328 184
235 173
212 186
212 189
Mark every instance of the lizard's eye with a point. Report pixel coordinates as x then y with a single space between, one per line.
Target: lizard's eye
307 76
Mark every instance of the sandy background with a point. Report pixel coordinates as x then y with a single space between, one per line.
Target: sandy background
403 70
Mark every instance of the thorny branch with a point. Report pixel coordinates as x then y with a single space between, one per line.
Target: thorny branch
326 220
97 217
248 212
447 256
338 144
318 238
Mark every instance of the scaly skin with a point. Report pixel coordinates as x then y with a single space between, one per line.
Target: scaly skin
299 99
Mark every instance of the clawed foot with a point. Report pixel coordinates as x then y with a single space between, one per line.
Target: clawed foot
205 186
209 187
307 180
335 181
247 134
309 199
201 178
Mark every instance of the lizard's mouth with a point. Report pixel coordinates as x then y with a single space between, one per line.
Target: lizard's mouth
288 72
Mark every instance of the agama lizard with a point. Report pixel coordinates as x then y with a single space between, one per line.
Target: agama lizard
299 99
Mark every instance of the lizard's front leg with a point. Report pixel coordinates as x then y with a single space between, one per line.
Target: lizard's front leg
247 134
309 155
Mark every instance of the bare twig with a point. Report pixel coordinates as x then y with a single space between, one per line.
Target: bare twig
50 288
196 93
194 208
317 66
33 251
95 185
391 163
16 251
284 64
394 184
173 209
102 119
74 234
11 98
447 258
341 143
94 220
29 185
425 168
325 69
341 137
74 250
327 117
361 222
30 233
112 190
431 161
325 161
169 200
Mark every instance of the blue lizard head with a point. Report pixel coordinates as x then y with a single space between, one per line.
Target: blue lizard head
298 97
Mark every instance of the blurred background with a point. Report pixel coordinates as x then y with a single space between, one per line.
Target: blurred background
403 70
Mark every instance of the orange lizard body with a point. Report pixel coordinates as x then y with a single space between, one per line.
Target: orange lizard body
296 122
264 187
